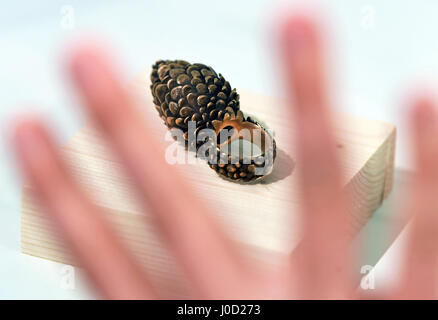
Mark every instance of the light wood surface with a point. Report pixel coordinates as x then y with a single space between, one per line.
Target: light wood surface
263 217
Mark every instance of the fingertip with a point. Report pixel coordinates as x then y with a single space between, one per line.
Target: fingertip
80 49
21 126
298 24
80 57
297 31
27 137
423 121
422 111
87 57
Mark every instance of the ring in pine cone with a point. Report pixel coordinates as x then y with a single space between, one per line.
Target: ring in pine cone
184 92
243 167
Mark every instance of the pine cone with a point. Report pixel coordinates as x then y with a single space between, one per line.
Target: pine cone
184 92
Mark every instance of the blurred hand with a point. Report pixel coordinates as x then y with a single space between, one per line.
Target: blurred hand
321 267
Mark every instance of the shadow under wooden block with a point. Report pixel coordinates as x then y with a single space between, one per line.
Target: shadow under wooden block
263 217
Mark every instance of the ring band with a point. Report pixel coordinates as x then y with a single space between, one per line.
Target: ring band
241 167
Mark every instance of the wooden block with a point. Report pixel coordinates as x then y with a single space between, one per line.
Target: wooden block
264 217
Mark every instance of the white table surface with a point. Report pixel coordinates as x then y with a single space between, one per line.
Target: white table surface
380 49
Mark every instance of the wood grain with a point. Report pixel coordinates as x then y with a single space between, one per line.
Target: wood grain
263 217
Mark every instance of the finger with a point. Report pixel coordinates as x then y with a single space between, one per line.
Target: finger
208 257
109 266
322 257
419 279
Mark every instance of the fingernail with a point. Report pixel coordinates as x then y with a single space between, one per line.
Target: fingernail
85 70
25 140
298 32
424 114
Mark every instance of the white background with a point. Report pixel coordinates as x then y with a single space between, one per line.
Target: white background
379 50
